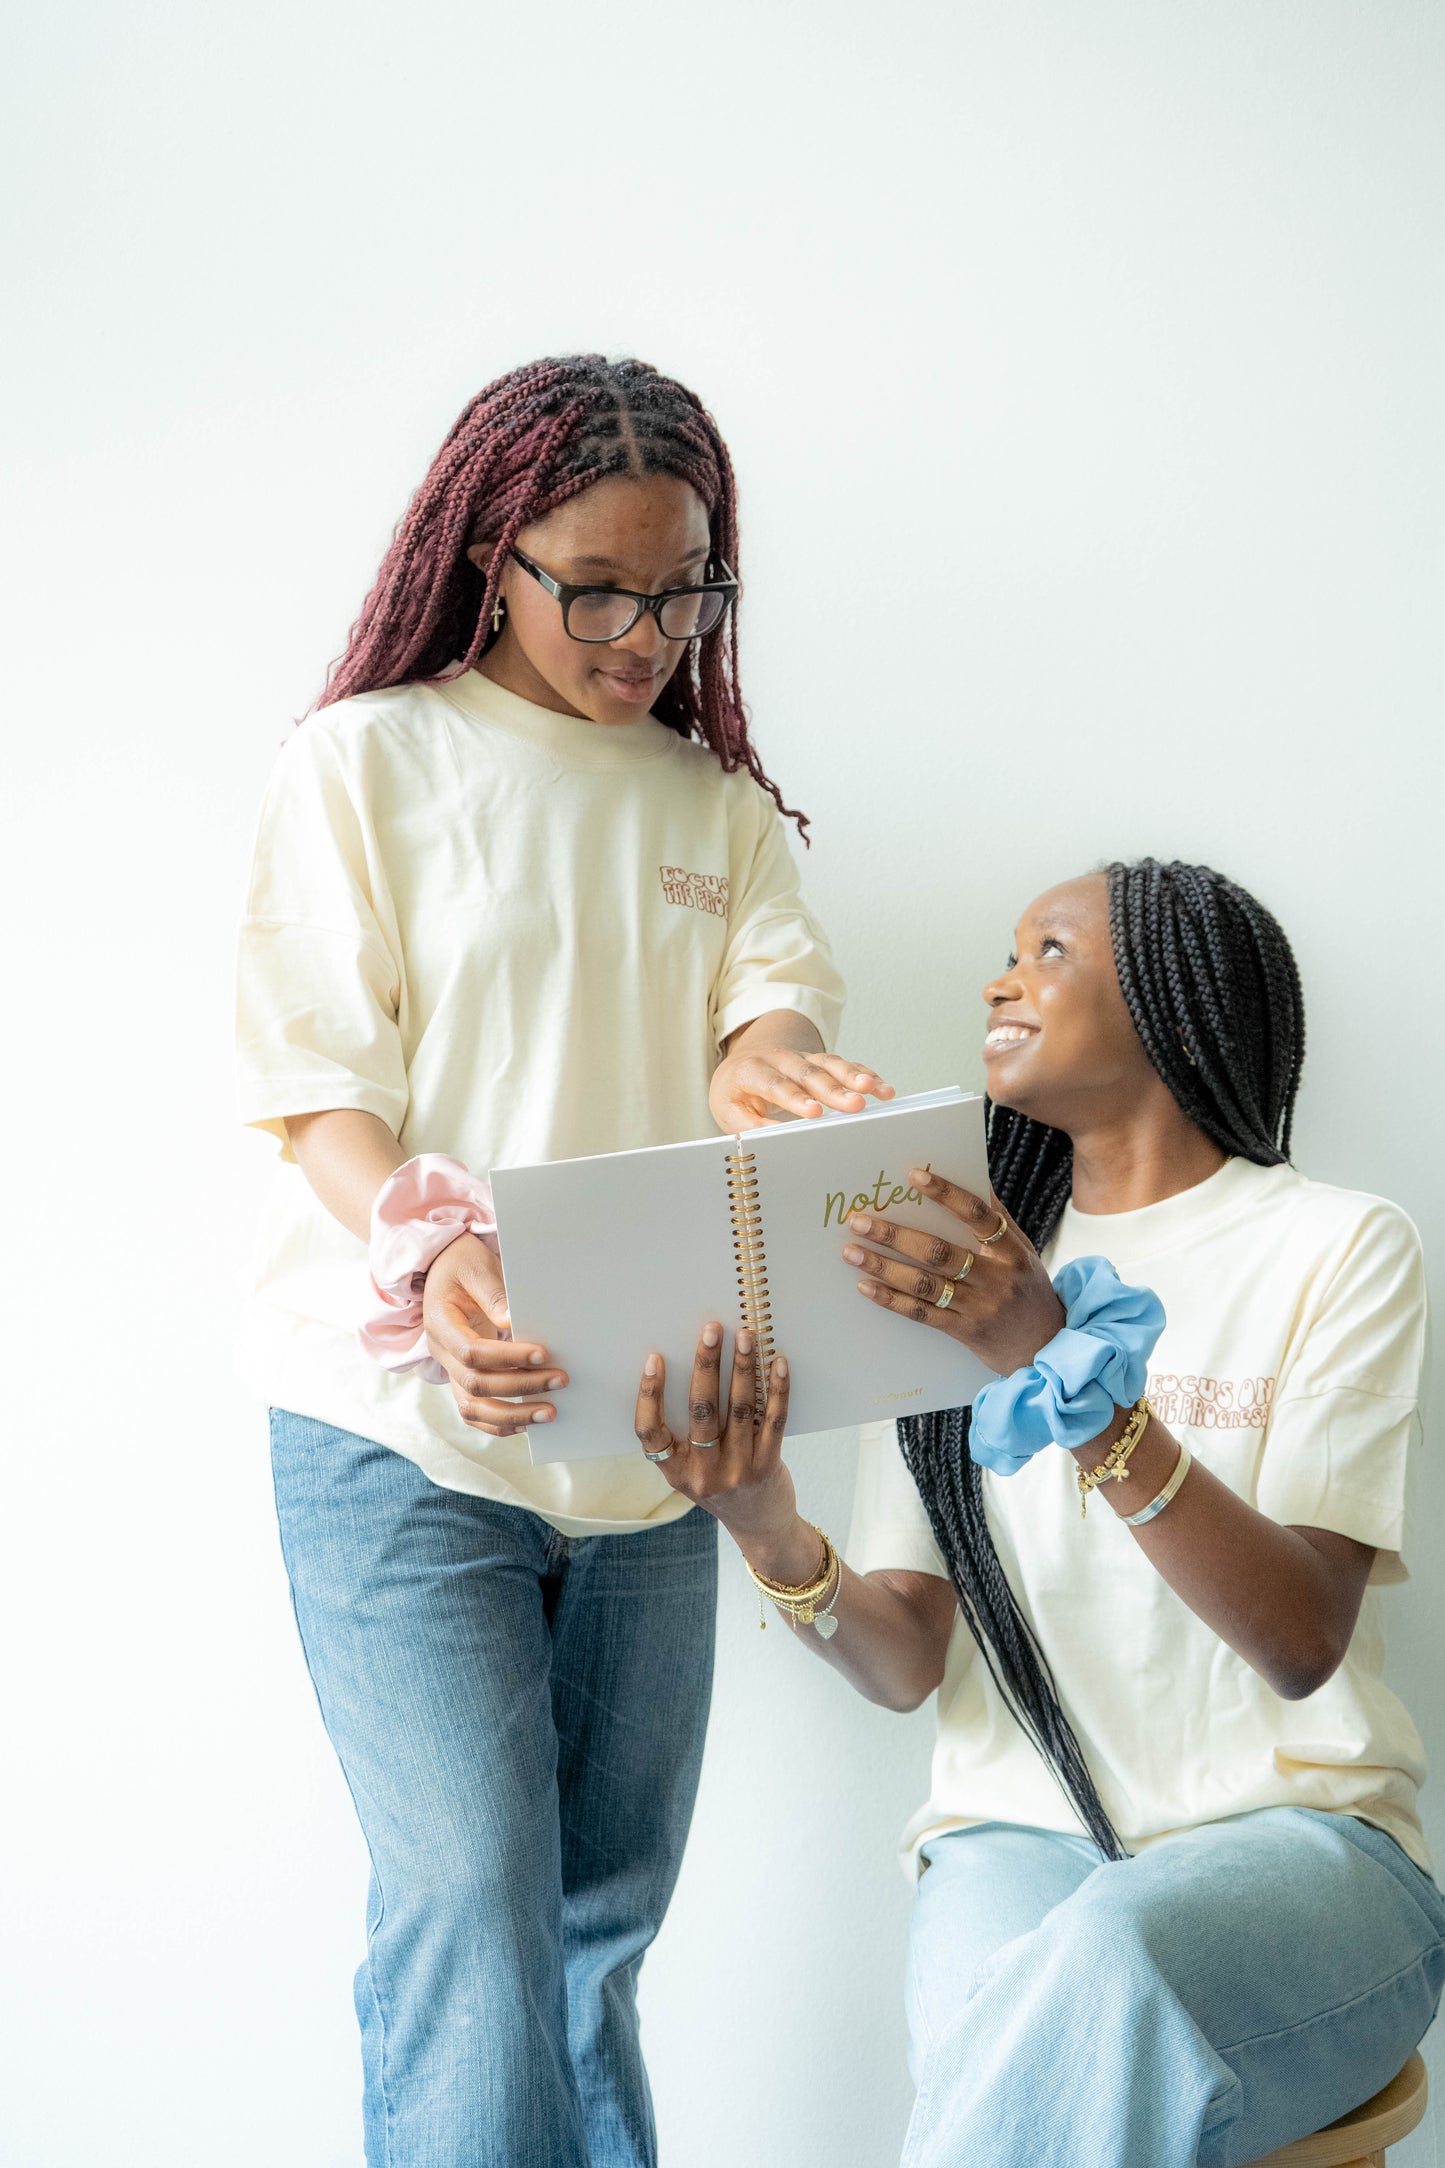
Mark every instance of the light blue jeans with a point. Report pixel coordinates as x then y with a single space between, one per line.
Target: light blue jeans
520 1717
1218 1995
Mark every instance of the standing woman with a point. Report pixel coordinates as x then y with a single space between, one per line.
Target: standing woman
520 892
1174 1903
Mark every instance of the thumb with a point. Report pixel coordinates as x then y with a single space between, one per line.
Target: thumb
481 1276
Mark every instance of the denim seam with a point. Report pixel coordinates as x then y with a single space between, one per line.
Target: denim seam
356 1809
924 2020
1338 2009
381 1915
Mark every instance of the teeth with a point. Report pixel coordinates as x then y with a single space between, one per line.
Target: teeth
1007 1034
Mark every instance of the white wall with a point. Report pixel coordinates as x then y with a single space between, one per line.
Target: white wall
1082 367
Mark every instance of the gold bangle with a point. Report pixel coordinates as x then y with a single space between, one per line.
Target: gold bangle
798 1599
1114 1467
809 1612
825 1623
797 1590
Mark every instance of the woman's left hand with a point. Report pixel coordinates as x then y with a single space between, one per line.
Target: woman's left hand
729 1460
1003 1306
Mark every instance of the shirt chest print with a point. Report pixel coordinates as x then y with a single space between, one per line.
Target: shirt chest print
695 891
1201 1403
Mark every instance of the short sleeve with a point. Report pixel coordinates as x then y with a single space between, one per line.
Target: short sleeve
1346 1416
317 986
777 955
890 1525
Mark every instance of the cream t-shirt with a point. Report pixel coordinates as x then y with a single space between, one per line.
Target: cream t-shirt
514 936
1291 1366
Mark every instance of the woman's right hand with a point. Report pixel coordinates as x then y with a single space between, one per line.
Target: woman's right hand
464 1308
738 1475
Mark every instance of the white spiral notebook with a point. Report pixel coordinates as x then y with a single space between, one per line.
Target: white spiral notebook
608 1257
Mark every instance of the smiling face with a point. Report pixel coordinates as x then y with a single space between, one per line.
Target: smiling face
646 532
1061 1046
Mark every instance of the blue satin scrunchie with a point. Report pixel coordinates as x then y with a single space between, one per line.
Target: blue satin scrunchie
1066 1396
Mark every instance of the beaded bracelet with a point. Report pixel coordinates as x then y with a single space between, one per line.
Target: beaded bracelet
1114 1467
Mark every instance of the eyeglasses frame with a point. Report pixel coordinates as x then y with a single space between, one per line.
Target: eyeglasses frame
566 595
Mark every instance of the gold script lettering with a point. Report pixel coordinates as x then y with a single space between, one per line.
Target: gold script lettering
884 1194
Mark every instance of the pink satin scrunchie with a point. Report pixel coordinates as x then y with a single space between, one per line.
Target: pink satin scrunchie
419 1211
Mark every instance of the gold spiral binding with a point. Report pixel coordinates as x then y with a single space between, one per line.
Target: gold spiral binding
751 1260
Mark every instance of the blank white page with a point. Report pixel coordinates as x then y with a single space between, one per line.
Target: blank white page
606 1258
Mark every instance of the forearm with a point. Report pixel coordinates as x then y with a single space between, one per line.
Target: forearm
1284 1599
892 1630
345 1155
778 1028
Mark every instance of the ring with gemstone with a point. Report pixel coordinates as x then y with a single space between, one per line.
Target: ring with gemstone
999 1232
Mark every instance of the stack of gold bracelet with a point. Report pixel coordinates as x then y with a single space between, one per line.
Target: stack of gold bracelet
802 1602
1114 1467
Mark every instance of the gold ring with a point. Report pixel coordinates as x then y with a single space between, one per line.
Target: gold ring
946 1297
965 1269
999 1232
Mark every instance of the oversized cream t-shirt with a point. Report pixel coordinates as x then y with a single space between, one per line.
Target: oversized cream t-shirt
1290 1365
514 936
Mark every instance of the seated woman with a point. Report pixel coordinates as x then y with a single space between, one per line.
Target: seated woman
1174 1903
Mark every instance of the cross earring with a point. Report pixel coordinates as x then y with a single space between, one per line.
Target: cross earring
498 607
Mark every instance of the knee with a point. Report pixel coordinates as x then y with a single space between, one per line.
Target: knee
1100 1941
469 1873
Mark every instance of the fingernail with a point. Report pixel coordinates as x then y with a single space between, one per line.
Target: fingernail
745 1342
865 1287
861 1221
711 1335
650 1367
919 1177
541 1415
860 1080
852 1255
554 1385
538 1355
780 1366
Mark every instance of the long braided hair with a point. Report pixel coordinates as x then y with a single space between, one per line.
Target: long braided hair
1212 988
526 444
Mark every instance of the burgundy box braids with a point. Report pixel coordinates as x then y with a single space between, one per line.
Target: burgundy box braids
526 444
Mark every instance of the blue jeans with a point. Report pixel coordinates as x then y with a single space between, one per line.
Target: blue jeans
520 1717
1223 1992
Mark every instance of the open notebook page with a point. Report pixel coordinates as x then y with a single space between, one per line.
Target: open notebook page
851 1361
606 1258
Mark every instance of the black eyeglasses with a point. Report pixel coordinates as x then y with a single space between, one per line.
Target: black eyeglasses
599 614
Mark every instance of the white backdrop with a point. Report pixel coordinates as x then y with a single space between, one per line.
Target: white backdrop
1082 367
